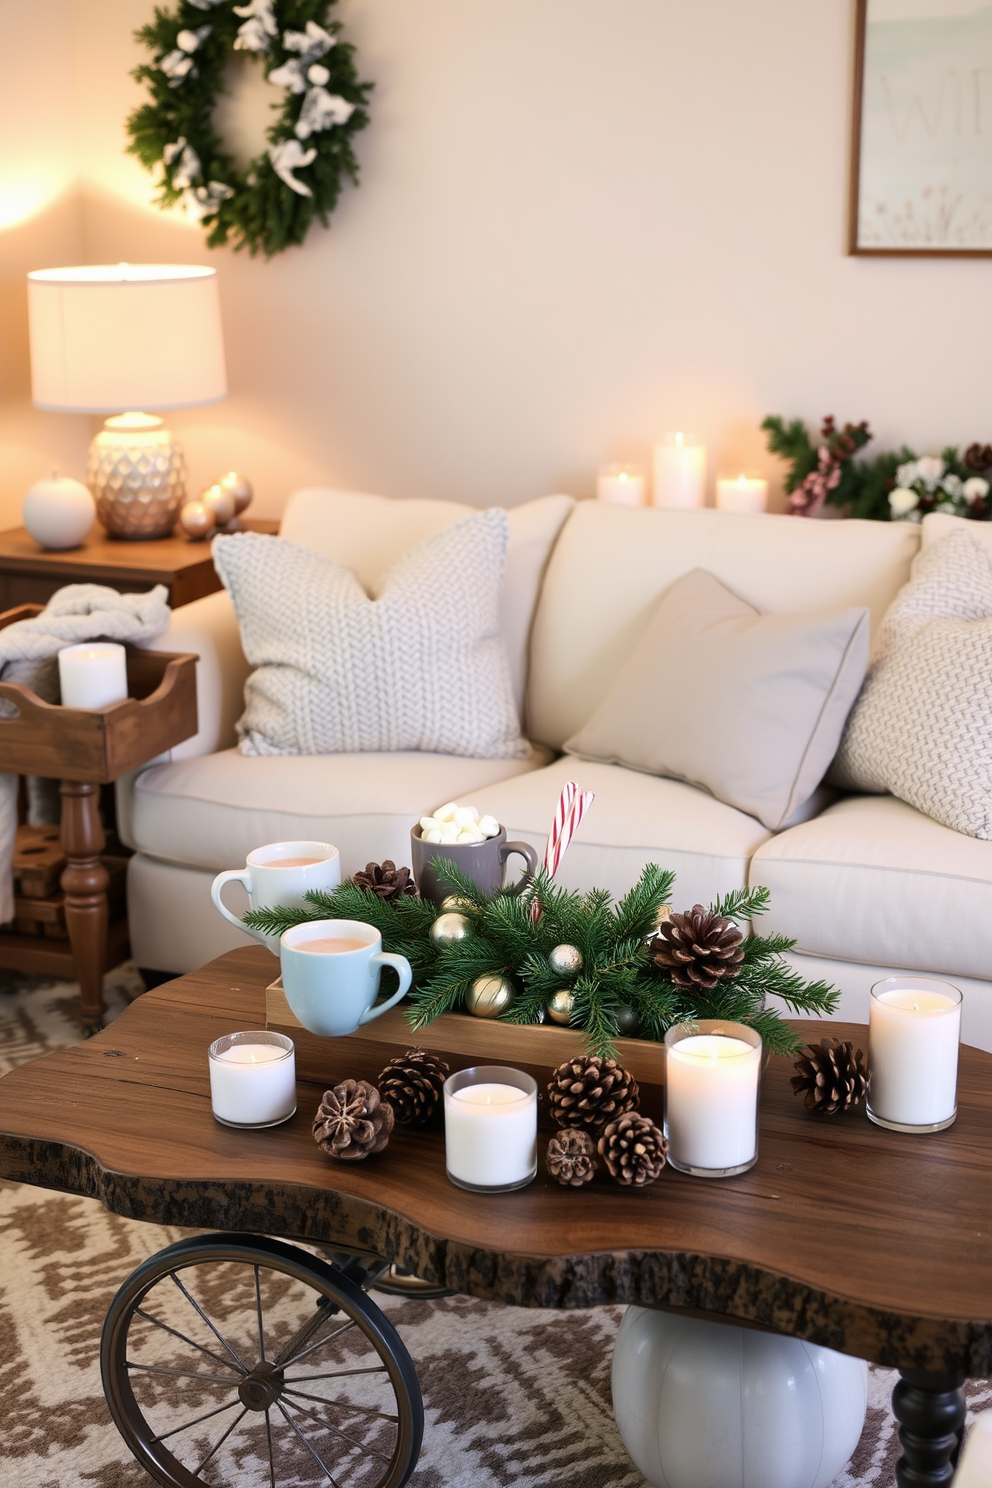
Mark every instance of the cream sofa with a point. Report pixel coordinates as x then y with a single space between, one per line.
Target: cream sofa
865 884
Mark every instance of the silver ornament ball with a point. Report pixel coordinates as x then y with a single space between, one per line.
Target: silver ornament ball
561 1005
240 488
196 520
565 960
449 929
220 502
488 996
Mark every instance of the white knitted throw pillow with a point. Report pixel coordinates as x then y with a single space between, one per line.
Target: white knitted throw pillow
922 727
420 666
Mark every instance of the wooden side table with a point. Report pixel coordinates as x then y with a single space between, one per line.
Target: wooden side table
84 749
30 575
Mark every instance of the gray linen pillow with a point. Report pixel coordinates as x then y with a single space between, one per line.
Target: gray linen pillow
922 727
421 666
748 706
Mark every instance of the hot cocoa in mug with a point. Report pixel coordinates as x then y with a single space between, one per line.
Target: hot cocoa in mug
278 876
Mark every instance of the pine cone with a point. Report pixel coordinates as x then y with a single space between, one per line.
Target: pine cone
386 880
978 458
698 949
411 1083
588 1091
572 1157
833 1076
634 1150
352 1122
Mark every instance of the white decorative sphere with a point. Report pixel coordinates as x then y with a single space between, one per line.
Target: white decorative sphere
700 1404
58 513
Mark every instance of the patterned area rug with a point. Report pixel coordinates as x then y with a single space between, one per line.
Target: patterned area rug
512 1397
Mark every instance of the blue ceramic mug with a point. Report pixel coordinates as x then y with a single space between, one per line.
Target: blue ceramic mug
331 971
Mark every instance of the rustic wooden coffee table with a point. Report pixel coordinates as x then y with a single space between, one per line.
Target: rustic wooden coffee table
869 1242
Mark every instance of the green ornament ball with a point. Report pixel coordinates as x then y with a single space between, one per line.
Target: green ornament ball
449 929
628 1023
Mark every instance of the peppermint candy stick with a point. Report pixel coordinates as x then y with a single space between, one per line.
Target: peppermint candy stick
572 807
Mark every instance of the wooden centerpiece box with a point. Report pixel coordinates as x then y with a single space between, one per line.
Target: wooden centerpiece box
461 1040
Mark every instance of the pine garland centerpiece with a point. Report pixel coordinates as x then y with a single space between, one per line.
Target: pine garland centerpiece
630 968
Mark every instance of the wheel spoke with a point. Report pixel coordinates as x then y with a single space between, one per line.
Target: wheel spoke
313 1453
326 1426
196 1420
139 1312
220 1442
342 1404
324 1310
215 1331
258 1314
207 1379
305 1379
268 1439
295 1358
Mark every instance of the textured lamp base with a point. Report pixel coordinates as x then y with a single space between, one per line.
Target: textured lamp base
137 476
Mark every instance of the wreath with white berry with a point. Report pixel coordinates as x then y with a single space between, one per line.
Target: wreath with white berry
323 106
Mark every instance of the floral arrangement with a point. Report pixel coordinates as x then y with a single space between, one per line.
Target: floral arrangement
940 483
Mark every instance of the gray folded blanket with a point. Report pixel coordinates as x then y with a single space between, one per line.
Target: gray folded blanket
28 654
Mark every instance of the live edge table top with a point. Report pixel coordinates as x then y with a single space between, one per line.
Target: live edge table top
872 1242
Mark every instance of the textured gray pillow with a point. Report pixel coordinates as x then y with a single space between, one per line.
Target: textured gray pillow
922 727
748 706
420 666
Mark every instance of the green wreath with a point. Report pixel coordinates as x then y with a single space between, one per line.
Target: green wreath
272 203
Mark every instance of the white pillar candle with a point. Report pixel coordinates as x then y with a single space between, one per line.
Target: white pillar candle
92 674
712 1070
253 1078
490 1128
745 494
680 471
914 1034
623 485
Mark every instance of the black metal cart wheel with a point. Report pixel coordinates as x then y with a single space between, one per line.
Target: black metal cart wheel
229 1359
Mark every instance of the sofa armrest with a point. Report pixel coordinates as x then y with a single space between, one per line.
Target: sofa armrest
209 627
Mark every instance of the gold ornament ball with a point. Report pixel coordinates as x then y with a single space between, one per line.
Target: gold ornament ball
561 1005
449 929
488 996
456 905
662 916
196 520
220 502
240 488
565 960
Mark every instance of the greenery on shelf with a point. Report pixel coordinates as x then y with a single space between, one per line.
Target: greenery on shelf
618 984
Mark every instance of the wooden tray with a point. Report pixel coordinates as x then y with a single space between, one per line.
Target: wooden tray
460 1039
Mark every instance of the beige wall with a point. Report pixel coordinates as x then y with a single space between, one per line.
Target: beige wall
579 224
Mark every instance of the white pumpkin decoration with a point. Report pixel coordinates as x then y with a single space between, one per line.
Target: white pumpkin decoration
700 1404
58 513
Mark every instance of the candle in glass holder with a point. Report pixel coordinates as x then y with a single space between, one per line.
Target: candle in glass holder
914 1033
623 485
746 494
92 674
252 1078
712 1071
680 471
490 1128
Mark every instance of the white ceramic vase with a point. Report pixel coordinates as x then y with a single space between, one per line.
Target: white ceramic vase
702 1404
58 513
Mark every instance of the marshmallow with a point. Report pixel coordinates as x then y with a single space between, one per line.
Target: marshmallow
446 813
454 823
489 826
431 835
466 816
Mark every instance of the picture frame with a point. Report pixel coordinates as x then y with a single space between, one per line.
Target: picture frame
921 166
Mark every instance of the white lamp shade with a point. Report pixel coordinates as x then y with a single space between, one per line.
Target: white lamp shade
108 338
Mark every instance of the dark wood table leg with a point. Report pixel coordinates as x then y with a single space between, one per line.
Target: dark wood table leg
930 1410
84 882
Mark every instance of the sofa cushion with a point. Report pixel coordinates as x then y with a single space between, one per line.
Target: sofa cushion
874 880
748 706
635 819
611 565
369 533
211 811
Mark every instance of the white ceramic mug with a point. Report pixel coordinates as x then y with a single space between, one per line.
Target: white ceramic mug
333 991
277 876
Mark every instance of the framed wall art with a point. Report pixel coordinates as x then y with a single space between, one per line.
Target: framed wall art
921 178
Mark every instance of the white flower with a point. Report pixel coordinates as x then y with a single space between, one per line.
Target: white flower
902 501
929 469
907 473
948 507
951 484
975 488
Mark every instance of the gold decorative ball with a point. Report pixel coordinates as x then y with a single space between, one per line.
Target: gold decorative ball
561 1005
489 996
196 520
565 960
663 915
240 488
449 929
220 502
456 905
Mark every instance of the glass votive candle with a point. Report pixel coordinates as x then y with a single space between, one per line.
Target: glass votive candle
253 1078
623 485
490 1128
914 1034
712 1073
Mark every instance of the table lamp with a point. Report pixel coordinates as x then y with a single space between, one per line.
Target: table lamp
115 338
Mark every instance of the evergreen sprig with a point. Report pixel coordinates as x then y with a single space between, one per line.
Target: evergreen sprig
618 976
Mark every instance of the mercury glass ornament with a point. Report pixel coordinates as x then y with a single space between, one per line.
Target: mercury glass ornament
454 904
565 960
240 488
449 929
488 996
196 520
220 502
561 1005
